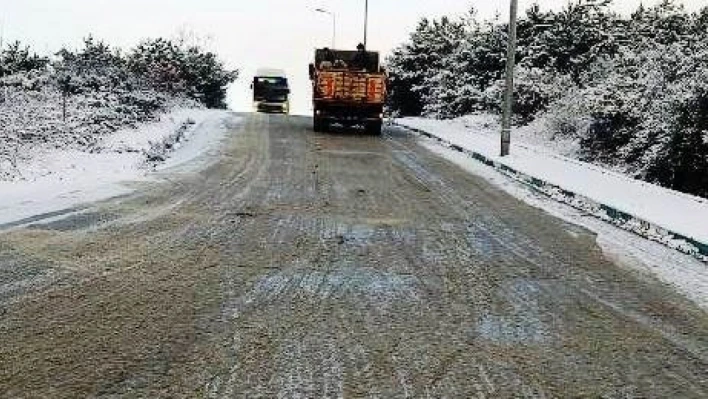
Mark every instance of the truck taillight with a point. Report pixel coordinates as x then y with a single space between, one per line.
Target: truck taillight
375 90
329 83
326 85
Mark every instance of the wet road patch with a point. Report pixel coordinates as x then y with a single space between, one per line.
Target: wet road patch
75 222
19 275
523 323
362 286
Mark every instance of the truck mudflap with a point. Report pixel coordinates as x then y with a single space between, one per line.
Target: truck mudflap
372 126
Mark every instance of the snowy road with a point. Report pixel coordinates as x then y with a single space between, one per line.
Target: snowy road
305 265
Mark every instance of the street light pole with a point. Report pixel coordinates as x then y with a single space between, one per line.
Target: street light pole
509 94
2 33
334 31
334 25
366 22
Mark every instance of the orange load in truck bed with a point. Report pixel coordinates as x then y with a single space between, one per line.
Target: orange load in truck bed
351 86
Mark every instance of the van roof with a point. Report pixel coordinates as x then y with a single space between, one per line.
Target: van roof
271 73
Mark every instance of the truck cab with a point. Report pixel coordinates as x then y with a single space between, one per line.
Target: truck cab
271 92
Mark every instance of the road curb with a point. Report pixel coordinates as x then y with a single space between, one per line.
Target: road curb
604 212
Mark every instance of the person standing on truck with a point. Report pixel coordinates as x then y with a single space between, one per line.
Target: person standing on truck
361 59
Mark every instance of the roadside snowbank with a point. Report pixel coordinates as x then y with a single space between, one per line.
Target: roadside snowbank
660 214
684 273
61 179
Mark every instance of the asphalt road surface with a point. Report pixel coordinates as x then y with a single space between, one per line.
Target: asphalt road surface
333 265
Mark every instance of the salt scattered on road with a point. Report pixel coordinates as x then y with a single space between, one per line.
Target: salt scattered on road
686 274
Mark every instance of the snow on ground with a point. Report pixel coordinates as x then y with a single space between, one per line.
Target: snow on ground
686 274
538 156
62 179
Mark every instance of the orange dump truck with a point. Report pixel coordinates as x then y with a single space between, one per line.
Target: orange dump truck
349 88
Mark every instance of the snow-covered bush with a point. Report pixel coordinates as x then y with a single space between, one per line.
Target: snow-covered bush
680 159
462 84
413 64
17 58
158 151
534 91
183 69
644 112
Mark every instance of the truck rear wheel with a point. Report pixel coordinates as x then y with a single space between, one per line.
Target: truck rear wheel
319 125
374 128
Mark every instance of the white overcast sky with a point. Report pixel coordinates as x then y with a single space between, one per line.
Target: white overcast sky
247 34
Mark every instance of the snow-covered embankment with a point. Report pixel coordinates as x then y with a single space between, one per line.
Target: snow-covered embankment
55 180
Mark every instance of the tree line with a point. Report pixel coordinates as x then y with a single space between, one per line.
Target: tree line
632 89
162 65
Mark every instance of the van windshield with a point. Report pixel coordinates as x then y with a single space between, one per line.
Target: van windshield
270 89
272 81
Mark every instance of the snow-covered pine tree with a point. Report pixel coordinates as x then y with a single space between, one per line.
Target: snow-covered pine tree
420 59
